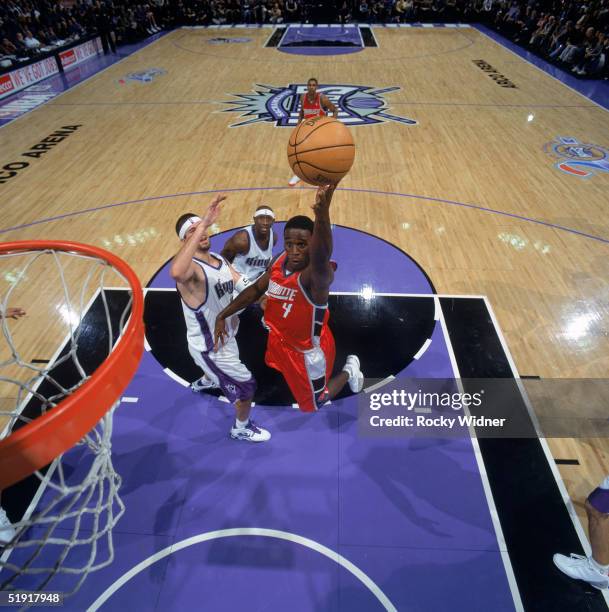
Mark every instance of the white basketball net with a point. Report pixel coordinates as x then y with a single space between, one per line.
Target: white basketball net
66 531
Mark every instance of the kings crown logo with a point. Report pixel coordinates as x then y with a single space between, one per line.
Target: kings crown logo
357 105
577 158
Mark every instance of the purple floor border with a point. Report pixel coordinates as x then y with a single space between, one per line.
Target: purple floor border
595 90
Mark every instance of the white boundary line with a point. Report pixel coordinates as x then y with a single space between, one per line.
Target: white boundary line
379 384
423 348
78 84
246 531
175 377
541 70
544 444
505 556
369 26
361 39
266 42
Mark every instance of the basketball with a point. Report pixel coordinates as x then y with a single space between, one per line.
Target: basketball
321 150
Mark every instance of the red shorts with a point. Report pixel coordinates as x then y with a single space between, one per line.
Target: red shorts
306 373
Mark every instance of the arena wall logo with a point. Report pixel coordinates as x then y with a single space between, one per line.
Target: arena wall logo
577 158
357 104
143 76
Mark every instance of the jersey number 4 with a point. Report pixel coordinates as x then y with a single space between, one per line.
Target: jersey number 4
286 309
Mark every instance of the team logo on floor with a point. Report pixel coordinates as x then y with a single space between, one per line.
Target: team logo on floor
357 105
222 40
143 76
578 158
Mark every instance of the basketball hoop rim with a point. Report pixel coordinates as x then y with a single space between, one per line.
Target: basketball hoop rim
38 443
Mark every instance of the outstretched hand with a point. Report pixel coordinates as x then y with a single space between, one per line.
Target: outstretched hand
220 334
213 211
323 197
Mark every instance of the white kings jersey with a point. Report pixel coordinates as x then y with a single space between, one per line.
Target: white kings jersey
200 322
253 263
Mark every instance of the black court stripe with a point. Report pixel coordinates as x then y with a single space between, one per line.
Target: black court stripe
532 513
567 462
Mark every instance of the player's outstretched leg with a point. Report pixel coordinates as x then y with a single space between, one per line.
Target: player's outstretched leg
356 378
351 374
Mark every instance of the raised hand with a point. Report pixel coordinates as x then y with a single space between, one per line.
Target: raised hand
213 211
323 197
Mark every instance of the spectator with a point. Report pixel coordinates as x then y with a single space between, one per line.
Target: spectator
363 10
32 43
589 64
559 39
7 47
292 10
410 9
399 11
22 50
260 11
276 15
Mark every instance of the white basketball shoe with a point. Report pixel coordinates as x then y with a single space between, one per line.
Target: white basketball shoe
251 433
356 378
581 568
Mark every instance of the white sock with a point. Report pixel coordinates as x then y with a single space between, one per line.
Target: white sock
603 569
241 424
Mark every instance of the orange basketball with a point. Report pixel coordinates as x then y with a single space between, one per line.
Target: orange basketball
321 150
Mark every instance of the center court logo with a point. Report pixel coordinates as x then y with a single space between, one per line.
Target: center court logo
577 158
357 105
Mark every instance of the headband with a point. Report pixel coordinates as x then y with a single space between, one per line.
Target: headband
264 211
187 225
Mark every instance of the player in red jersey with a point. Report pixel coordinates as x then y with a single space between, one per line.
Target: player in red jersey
313 104
297 285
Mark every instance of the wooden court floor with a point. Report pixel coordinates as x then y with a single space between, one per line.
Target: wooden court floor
469 192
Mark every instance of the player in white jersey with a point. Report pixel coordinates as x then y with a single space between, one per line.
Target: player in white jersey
250 250
206 282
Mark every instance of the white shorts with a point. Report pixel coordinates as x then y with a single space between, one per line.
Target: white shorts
226 370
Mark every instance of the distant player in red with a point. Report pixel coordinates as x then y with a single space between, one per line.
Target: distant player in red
312 105
297 285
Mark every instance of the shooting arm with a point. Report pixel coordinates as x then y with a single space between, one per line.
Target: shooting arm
321 241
